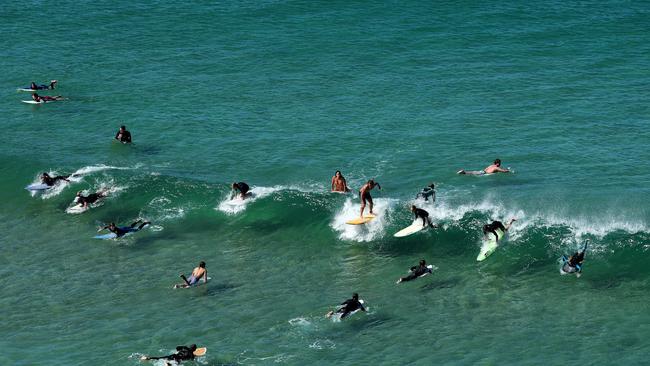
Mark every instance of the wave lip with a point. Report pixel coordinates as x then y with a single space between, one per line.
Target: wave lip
237 204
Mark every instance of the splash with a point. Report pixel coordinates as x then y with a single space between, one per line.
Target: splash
237 204
369 231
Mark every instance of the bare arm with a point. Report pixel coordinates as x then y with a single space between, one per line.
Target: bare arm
510 223
502 170
332 184
205 276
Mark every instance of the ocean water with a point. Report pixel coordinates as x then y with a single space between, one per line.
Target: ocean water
280 94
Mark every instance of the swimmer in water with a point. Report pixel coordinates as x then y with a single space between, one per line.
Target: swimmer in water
338 183
123 135
494 168
183 353
199 273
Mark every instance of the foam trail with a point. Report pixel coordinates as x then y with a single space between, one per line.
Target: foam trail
111 190
75 177
366 232
237 204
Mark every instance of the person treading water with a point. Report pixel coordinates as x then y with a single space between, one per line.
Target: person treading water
416 272
198 273
84 201
422 214
241 188
338 183
496 225
364 195
494 168
123 135
52 85
183 353
348 306
122 230
427 192
50 181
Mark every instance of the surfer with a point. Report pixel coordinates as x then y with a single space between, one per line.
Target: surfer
120 231
364 195
45 98
494 168
497 225
416 272
123 135
575 261
338 183
348 306
197 274
183 353
422 214
427 192
240 187
50 181
52 85
84 201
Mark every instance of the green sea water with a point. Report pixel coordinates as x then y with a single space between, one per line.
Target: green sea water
280 94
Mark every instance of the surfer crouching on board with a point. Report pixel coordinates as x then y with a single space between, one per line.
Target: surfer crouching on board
240 187
183 353
52 85
364 195
348 306
497 225
427 192
199 273
120 231
123 135
84 201
416 272
422 214
494 168
37 98
50 181
338 183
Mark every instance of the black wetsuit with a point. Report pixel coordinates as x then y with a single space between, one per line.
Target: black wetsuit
121 230
493 227
416 272
183 353
349 306
91 198
426 193
123 136
422 214
50 181
576 259
242 187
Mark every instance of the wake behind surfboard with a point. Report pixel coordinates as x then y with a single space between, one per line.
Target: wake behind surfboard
361 220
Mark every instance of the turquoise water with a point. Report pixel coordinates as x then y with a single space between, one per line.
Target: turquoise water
282 94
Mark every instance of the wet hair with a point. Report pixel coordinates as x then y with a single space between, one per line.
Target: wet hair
497 161
234 184
193 347
371 181
79 193
202 264
413 207
422 262
355 296
45 175
486 228
432 185
337 172
123 127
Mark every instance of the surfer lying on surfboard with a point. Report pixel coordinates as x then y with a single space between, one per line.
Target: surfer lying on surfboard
183 353
121 230
84 201
198 273
416 272
348 306
45 98
494 168
240 187
497 225
422 214
50 181
364 195
52 85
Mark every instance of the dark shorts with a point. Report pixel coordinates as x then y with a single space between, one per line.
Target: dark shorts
366 197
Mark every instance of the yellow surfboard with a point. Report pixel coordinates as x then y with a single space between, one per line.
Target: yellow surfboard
361 220
200 351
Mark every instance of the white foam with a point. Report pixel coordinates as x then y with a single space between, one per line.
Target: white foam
369 231
75 177
237 204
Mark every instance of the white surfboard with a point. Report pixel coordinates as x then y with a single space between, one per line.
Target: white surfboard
411 229
33 102
337 316
29 90
77 209
38 187
489 245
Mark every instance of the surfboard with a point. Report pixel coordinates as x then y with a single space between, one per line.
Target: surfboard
38 187
430 267
200 351
197 284
106 236
28 90
337 316
33 102
411 229
489 245
361 220
77 209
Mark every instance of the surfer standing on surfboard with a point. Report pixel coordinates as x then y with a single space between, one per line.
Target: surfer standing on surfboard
422 214
338 183
494 168
364 195
198 273
497 225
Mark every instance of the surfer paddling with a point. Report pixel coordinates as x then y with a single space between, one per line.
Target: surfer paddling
338 183
422 214
50 181
416 272
84 201
121 231
364 195
37 98
198 273
52 85
497 225
494 168
348 306
123 135
183 353
241 188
